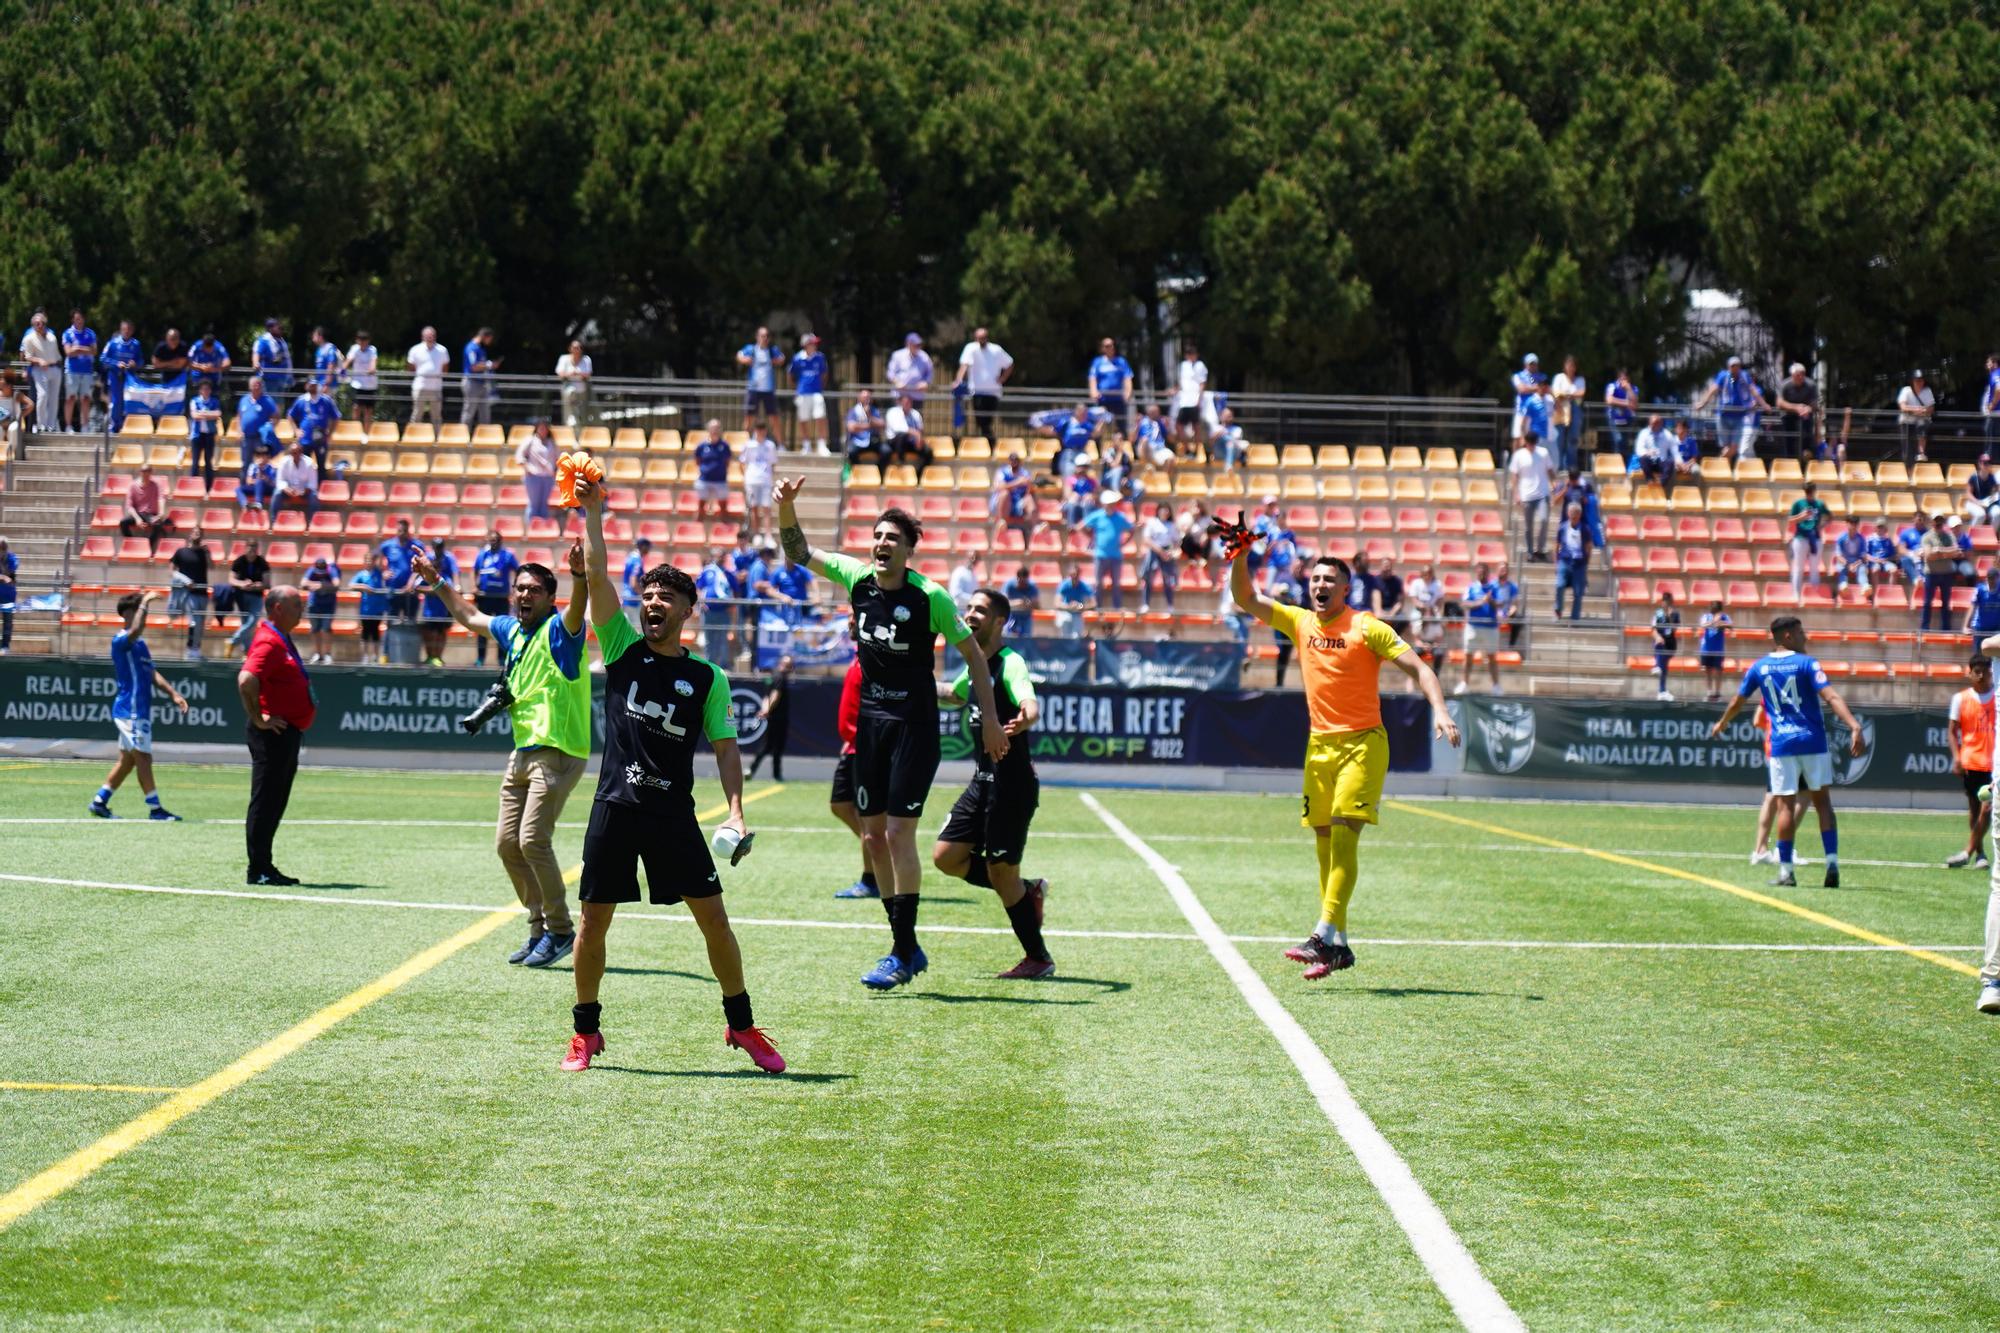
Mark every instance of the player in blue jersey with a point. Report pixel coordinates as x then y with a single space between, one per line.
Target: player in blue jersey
1791 686
132 709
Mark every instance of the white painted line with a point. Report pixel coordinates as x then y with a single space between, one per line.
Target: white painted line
329 900
1476 1302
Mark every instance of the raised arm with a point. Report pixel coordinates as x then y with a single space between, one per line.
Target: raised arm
1245 594
445 591
604 600
790 535
579 591
137 629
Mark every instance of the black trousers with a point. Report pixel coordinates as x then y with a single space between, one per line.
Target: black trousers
986 414
776 732
274 762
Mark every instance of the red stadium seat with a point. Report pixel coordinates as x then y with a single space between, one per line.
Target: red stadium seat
1743 593
1734 560
1415 551
1765 532
353 556
335 492
654 530
1620 528
1302 518
1632 592
218 521
434 527
1698 560
1449 521
1692 528
1486 523
441 495
1454 553
513 495
1412 520
133 551
289 523
543 529
405 493
97 548
1489 553
1663 560
1673 586
368 492
1780 596
1704 591
468 527
1655 528
190 488
1772 564
282 555
971 509
107 516
1625 560
1729 529
361 524
1339 518
1374 518
477 495
325 523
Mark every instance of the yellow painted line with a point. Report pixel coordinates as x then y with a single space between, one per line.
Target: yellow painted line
575 872
1707 881
79 1166
80 1087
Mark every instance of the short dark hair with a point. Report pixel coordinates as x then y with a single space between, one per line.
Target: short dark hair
997 600
1346 570
906 523
674 580
541 574
128 604
1980 660
1785 625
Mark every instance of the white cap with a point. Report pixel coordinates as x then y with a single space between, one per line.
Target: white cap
1797 369
1531 360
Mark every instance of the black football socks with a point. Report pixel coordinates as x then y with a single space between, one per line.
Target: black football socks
586 1016
902 911
1021 916
736 1012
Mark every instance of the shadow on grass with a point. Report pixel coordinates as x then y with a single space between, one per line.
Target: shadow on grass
937 998
787 1077
1404 992
308 884
1108 987
644 972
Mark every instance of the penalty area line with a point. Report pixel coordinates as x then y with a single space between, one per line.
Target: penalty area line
1473 1298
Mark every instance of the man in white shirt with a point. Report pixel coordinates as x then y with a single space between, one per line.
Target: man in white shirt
983 367
1160 551
298 482
760 466
1653 450
903 429
964 582
573 368
360 365
43 352
427 362
1190 397
1915 406
1567 389
1532 471
910 368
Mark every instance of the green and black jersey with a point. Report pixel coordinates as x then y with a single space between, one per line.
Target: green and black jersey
654 706
896 633
1012 687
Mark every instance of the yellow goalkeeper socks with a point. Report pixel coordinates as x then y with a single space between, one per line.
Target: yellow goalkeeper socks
1340 866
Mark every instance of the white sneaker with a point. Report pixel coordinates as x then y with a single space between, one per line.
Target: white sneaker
1666 696
1498 691
1767 857
1459 688
1989 998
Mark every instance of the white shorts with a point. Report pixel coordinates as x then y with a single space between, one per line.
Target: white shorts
1482 638
1745 438
711 490
1790 772
810 406
757 494
134 734
1162 456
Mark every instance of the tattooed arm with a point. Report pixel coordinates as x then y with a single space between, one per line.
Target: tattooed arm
790 535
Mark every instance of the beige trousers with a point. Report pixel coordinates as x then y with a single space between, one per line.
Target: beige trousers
532 794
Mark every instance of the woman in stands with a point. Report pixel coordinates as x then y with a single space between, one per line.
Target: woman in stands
1195 524
537 457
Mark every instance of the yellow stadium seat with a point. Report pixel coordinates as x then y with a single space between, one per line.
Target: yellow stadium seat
1955 476
1009 444
900 475
379 462
286 431
943 448
1784 469
665 439
629 439
1749 470
128 455
1296 456
865 477
1479 460
1333 456
1891 473
137 425
1405 458
1191 484
413 465
1612 495
420 433
489 436
519 435
349 433
1447 491
1042 451
230 458
736 438
974 479
1336 486
1261 455
1481 491
1371 488
1857 473
662 471
565 437
1230 484
483 465
1864 504
1686 500
937 479
1370 456
1757 500
625 467
975 448
1825 473
233 430
1723 500
1407 490
1926 474
1260 483
455 434
384 432
447 465
595 438
1650 497
1899 504
1933 502
1300 486
1786 497
1607 465
174 426
165 455
1438 458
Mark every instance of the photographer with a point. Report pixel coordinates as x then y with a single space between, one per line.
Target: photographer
546 691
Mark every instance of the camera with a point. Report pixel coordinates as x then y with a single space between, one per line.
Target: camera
498 699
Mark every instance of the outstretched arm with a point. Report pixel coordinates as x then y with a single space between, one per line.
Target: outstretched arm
1246 595
1418 670
603 594
790 535
445 591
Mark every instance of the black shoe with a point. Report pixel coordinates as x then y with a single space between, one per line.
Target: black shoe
1783 880
1832 877
273 878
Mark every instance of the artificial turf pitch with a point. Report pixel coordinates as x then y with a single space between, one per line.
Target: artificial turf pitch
1621 1137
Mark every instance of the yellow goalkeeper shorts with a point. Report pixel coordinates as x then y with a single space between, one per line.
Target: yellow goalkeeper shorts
1344 776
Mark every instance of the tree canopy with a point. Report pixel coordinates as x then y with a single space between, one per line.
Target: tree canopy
1334 198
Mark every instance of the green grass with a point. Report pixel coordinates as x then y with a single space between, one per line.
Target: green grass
1622 1138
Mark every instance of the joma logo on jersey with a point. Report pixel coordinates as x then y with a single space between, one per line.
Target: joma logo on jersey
1321 641
662 714
882 636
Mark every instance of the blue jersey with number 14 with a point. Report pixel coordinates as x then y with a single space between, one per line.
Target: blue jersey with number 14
1789 684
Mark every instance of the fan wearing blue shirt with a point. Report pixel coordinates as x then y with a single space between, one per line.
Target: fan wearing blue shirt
1023 598
793 583
121 354
1736 414
493 571
1109 525
1985 617
437 615
399 551
478 365
1792 687
637 562
207 360
314 414
717 589
204 429
271 357
1879 554
711 461
1482 627
760 359
132 708
79 345
808 371
374 585
326 359
1073 435
1535 413
1620 398
1110 381
257 417
1526 383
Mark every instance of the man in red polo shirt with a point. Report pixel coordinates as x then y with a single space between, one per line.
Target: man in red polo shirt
278 700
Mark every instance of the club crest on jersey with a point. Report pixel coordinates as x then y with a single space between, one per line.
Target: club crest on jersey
901 613
647 708
683 688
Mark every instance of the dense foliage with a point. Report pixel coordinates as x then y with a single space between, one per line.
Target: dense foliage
1390 197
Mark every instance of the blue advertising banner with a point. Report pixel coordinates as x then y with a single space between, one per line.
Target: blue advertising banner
806 642
156 397
1140 664
1055 661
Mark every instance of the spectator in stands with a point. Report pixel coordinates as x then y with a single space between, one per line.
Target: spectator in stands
204 431
1879 552
537 457
298 482
757 580
1109 526
257 417
271 357
717 589
1424 595
1580 487
1989 402
637 561
1280 568
326 360
1527 384
864 427
1507 602
16 409
1798 402
188 594
1361 586
1073 435
249 580
1806 524
1620 398
1985 617
373 583
79 381
1197 529
1715 627
1915 406
121 353
1389 601
1666 639
574 369
712 456
43 353
145 509
807 369
1482 627
1190 399
258 487
208 362
1653 453
1939 553
1073 598
1736 416
904 436
761 358
1566 395
1573 547
437 617
1110 383
1080 495
1226 444
1850 557
1982 492
1687 454
361 365
321 586
1533 473
1909 553
1023 600
313 414
400 551
1150 441
760 472
427 362
493 571
963 582
1011 502
910 369
1159 557
477 366
170 354
983 368
10 568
